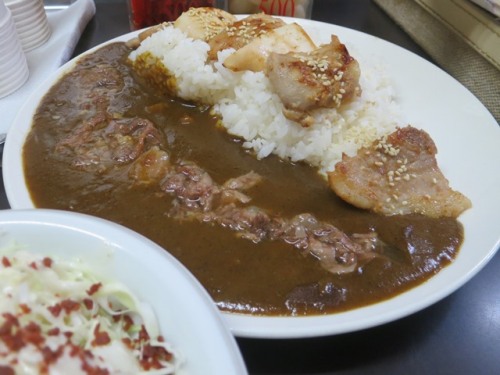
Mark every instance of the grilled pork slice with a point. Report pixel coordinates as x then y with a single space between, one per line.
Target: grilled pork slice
204 22
324 78
253 56
398 174
242 32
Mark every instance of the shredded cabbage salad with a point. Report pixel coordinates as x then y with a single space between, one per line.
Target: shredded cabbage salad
57 318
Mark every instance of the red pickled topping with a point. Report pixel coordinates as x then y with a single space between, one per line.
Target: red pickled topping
54 331
10 323
143 334
94 288
75 351
10 333
91 370
50 356
89 304
55 310
100 337
6 262
47 262
69 305
25 308
127 322
152 355
127 342
32 333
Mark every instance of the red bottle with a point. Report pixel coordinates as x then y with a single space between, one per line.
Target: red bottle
145 13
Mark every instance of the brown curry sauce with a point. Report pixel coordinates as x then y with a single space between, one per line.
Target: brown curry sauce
270 278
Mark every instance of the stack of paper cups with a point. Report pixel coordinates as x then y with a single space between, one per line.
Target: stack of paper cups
13 65
31 22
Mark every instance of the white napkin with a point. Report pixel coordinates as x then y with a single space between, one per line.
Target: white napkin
67 26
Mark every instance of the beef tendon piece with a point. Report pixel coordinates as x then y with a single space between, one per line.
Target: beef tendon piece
326 77
398 174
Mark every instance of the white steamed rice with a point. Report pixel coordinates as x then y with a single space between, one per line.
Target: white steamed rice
249 109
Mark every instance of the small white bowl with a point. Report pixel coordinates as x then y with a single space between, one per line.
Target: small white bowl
187 316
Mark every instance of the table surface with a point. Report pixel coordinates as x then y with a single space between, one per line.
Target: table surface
458 335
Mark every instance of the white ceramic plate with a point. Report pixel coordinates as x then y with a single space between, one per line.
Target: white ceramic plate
186 313
467 137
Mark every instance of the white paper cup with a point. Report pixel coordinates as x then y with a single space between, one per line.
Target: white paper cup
7 46
13 65
31 22
5 15
28 17
32 42
23 6
3 11
33 26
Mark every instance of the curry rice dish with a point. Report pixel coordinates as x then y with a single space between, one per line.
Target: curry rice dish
264 235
